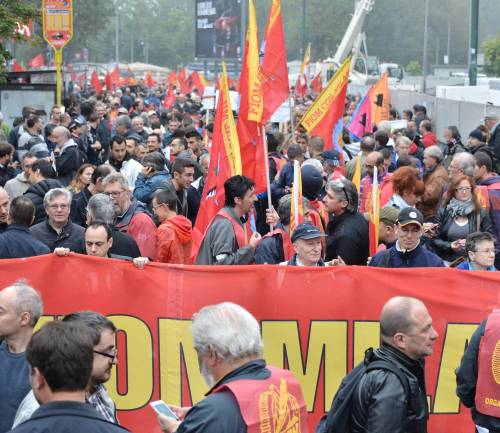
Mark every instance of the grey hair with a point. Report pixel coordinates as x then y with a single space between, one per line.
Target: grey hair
204 156
124 120
345 190
435 152
316 163
403 139
136 118
100 208
115 178
51 194
228 330
63 130
27 300
466 162
384 125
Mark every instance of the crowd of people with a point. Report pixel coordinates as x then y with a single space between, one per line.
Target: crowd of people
116 175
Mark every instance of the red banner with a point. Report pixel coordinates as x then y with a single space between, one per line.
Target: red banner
319 340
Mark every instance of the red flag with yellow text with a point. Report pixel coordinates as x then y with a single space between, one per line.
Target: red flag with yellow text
250 111
321 117
274 69
225 161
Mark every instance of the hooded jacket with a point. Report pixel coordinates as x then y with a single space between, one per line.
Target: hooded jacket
37 192
174 240
17 186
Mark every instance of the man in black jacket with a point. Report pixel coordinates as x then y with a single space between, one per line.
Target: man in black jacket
58 230
68 157
7 171
17 241
41 177
347 231
380 403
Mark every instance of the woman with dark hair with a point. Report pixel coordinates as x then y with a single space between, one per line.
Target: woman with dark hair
407 188
454 143
461 215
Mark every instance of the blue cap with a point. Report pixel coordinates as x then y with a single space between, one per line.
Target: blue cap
306 231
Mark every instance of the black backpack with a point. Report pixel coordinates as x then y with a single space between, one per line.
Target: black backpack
339 417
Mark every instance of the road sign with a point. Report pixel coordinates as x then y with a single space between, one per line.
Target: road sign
57 22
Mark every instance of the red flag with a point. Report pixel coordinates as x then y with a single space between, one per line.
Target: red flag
74 77
196 83
82 78
317 84
225 162
172 79
183 83
250 131
115 76
149 80
274 68
16 67
322 116
37 62
169 99
108 80
95 82
301 84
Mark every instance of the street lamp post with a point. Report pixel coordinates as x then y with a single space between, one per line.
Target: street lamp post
474 23
426 35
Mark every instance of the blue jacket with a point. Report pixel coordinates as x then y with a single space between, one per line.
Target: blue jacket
64 416
420 257
18 242
285 179
466 266
146 186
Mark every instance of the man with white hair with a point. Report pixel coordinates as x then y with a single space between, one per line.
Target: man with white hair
68 157
227 340
20 308
462 164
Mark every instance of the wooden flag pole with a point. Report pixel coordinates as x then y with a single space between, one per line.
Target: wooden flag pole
266 165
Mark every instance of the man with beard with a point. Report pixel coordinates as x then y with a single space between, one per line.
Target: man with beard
227 340
102 332
122 162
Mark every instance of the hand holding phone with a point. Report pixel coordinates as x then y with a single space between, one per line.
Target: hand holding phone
160 407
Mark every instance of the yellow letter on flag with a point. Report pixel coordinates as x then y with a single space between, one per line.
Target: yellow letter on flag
255 100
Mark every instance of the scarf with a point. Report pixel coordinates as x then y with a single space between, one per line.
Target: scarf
460 208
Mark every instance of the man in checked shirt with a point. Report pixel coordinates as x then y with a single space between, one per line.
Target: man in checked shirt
103 335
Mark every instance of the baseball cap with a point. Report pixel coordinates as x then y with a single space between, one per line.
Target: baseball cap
306 231
75 123
331 155
152 112
122 110
490 116
389 215
410 215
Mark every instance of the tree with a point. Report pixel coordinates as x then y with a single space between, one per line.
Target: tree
492 55
12 13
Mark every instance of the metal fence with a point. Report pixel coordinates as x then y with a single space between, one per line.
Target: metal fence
443 112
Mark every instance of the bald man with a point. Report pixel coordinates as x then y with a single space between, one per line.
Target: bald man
380 403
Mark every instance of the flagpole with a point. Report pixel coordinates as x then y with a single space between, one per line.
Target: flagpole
266 166
290 100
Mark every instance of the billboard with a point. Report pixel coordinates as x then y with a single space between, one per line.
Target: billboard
218 29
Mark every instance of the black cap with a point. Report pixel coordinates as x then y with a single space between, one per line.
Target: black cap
75 123
410 215
477 134
306 231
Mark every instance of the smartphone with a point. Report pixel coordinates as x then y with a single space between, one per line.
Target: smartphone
159 406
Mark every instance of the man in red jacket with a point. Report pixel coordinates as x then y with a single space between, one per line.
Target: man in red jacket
174 235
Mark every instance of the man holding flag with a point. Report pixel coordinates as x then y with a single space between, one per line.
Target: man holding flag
227 241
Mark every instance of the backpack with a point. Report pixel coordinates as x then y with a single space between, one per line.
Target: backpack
339 417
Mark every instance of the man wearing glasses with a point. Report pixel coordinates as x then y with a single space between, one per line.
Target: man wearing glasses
102 331
57 230
132 216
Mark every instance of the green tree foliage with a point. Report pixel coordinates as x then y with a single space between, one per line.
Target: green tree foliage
414 68
11 13
492 55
